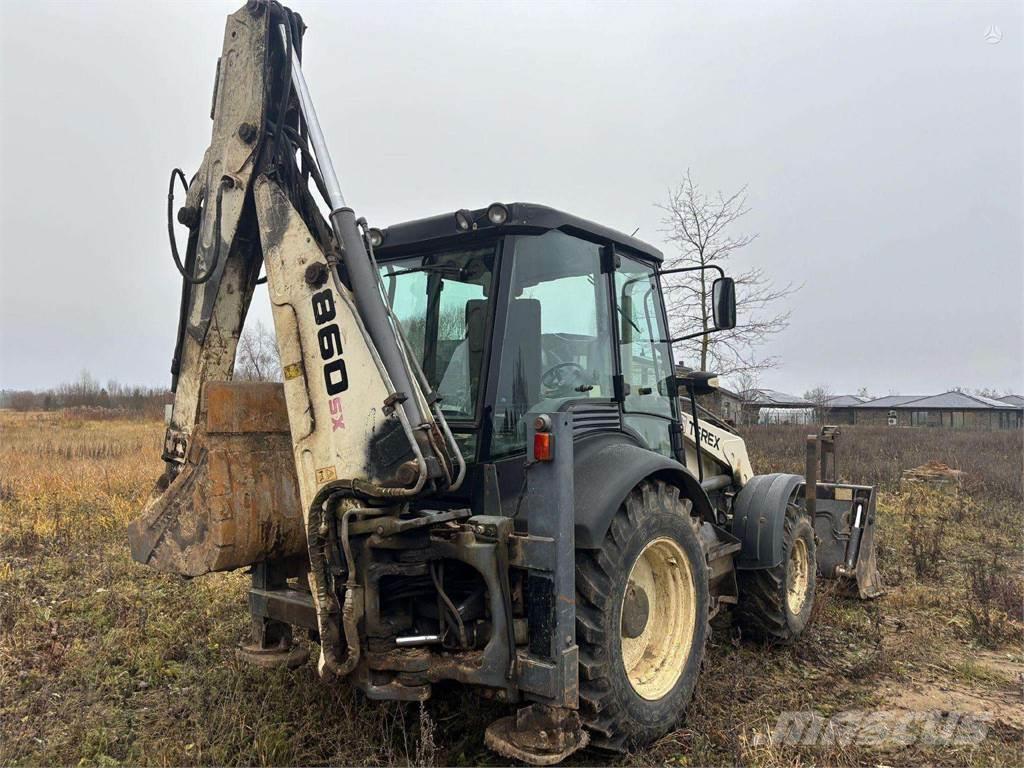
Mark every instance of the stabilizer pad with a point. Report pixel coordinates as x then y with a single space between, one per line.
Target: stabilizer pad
537 734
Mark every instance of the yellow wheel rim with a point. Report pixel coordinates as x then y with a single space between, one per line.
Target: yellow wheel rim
797 577
654 659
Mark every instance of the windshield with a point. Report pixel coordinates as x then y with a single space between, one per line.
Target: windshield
442 302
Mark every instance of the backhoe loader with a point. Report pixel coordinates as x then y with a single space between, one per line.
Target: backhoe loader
482 464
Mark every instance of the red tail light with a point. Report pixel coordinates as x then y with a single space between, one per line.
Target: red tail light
543 446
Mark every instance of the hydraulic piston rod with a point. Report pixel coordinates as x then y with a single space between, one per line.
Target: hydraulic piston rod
316 134
365 285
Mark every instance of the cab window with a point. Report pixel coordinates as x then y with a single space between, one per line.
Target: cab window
557 342
441 300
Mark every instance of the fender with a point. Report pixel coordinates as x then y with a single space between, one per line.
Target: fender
607 467
759 515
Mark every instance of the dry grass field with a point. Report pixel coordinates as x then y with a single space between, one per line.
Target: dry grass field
103 661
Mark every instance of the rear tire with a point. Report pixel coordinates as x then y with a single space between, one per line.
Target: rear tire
775 603
641 652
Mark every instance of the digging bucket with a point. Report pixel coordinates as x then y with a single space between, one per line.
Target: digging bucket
235 501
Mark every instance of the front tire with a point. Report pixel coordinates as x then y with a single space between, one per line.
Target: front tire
775 603
641 619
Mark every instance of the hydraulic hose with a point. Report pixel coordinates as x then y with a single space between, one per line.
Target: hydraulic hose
325 597
225 181
439 586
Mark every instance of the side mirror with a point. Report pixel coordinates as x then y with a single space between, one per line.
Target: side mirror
723 303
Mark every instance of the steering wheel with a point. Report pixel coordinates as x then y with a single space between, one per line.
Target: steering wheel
558 377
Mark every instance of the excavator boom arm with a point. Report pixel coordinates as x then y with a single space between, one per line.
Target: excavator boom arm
363 427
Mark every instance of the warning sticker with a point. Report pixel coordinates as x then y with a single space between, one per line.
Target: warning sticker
326 474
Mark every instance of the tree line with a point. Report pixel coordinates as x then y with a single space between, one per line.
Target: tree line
86 392
256 360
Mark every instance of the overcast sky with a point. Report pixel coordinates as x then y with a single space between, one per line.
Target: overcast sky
881 142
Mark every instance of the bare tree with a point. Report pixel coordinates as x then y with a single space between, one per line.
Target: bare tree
991 392
703 228
257 357
746 383
864 393
821 396
85 391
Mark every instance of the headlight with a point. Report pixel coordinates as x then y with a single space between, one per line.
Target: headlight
464 220
497 214
375 236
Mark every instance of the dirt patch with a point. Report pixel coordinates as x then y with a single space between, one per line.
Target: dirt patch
1010 666
999 695
933 472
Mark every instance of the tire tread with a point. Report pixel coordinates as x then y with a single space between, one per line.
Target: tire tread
761 609
604 716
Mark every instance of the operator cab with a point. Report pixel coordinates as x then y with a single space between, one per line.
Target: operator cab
520 308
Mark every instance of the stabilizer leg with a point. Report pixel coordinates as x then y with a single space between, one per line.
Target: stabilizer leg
272 644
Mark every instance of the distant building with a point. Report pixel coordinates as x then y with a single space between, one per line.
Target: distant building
725 403
1017 402
952 410
768 406
882 410
949 410
839 409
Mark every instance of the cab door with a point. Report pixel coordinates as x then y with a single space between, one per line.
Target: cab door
554 336
644 354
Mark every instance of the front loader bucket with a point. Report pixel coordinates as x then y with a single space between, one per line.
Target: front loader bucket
235 501
844 524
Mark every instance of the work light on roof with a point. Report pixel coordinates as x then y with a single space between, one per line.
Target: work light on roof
497 214
464 220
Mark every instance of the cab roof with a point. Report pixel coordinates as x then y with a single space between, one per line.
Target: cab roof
523 219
